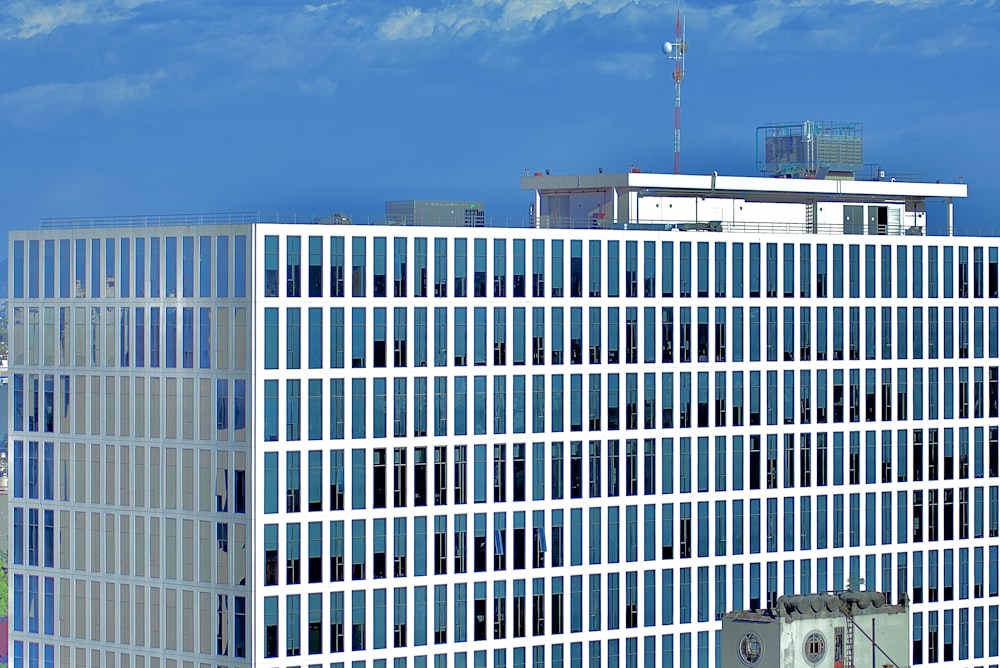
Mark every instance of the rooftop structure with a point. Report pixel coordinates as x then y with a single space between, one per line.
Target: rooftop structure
810 149
846 629
637 200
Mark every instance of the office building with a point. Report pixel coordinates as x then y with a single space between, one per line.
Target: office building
575 442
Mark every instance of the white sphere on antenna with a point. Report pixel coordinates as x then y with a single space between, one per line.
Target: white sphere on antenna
667 48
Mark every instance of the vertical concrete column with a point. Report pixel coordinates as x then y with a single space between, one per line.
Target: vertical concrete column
614 205
538 209
951 217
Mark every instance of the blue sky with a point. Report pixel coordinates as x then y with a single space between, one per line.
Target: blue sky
114 107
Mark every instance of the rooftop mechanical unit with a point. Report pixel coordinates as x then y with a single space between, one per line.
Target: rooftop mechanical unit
810 149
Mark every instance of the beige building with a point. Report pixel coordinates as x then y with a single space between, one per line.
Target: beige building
844 630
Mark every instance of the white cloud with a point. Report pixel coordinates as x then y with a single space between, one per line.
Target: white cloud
408 23
743 21
104 95
322 8
413 23
464 19
517 12
24 19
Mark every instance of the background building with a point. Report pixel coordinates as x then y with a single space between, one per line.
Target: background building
435 213
275 444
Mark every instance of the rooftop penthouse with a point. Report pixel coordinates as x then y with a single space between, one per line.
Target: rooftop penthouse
637 200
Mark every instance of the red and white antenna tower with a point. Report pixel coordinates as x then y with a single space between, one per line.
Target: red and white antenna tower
675 51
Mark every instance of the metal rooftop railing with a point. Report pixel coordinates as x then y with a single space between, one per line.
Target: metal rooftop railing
238 218
896 228
738 227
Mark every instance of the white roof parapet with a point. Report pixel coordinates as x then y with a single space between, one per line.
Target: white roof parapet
691 183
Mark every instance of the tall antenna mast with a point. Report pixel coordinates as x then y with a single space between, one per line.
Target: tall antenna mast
675 51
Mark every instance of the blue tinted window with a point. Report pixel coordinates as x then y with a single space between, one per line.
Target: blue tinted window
187 266
221 266
18 287
755 270
205 338
461 267
358 266
95 268
270 410
557 268
359 340
33 269
49 268
854 271
204 266
171 338
358 396
271 481
65 273
613 269
932 272
685 269
947 272
140 267
270 338
293 338
772 270
240 266
337 408
315 338
171 267
737 270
